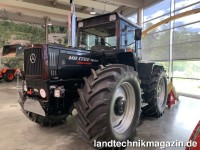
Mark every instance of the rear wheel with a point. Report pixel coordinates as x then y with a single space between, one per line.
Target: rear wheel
9 76
109 105
157 93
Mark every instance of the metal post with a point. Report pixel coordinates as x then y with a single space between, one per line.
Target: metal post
72 26
139 16
18 81
46 29
171 42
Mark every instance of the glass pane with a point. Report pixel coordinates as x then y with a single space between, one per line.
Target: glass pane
159 28
183 3
186 69
95 36
157 10
156 39
156 46
187 86
111 40
189 50
133 18
187 19
126 36
156 53
187 33
90 39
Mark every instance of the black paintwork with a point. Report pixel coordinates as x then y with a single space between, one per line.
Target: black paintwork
65 66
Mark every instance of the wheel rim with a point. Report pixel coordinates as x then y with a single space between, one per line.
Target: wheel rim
161 93
10 76
123 108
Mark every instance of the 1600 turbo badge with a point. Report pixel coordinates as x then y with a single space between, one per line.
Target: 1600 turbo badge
82 60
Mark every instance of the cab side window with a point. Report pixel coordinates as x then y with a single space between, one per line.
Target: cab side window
126 36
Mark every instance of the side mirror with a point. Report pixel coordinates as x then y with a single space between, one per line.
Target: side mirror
138 34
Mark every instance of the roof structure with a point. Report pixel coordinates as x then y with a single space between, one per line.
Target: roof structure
36 11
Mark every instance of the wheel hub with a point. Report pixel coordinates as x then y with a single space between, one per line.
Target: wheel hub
119 106
123 107
161 93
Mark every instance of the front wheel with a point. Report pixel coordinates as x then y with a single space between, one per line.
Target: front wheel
109 105
9 76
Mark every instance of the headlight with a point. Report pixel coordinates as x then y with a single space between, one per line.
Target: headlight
59 92
112 17
80 24
43 93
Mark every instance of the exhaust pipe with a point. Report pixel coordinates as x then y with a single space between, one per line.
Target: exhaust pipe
72 26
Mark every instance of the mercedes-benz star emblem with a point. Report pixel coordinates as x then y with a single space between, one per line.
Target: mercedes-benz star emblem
32 58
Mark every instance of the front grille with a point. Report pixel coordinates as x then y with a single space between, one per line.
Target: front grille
33 61
53 72
52 58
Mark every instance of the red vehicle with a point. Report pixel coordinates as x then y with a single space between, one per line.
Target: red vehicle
11 51
7 74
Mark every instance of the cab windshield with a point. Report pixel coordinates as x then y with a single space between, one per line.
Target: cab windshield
101 36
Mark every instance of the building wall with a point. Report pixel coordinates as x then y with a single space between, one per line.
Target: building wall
176 45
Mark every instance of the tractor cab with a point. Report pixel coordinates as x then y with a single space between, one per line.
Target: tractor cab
109 32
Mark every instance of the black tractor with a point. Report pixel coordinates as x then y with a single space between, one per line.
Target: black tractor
102 77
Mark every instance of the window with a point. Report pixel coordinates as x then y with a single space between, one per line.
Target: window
186 69
159 28
133 18
156 46
182 3
103 35
186 76
187 86
183 6
157 10
185 42
111 40
127 36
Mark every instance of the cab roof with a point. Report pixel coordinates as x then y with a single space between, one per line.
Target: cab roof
102 19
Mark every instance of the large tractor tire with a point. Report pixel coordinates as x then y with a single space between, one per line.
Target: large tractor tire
45 121
156 94
9 76
109 105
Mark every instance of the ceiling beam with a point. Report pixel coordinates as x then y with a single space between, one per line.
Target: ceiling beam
150 2
39 8
60 18
50 3
129 3
29 19
91 4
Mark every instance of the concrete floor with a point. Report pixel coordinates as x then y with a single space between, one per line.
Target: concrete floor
18 133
